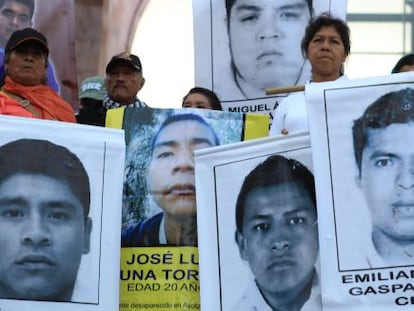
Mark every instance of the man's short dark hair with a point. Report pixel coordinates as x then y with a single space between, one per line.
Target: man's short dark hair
41 157
184 117
274 171
326 20
29 3
393 107
212 97
230 3
407 59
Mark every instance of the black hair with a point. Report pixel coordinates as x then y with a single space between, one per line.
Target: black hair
275 170
230 3
393 107
184 117
41 157
405 60
324 20
212 97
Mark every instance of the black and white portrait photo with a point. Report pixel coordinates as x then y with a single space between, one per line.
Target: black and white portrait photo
267 250
54 216
44 220
361 141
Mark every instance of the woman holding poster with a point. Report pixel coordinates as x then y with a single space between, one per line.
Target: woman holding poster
326 45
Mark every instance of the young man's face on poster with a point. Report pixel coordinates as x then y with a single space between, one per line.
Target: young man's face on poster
42 238
171 172
265 37
280 236
387 179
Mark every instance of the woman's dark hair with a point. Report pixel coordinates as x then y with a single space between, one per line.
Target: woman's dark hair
403 61
324 20
211 97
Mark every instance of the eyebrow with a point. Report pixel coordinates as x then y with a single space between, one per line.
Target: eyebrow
173 143
250 7
380 153
294 211
4 202
9 10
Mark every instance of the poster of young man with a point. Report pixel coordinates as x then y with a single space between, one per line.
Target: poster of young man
58 232
361 141
159 261
243 47
258 231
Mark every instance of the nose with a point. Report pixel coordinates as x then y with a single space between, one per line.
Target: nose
270 28
405 175
280 238
281 245
184 161
36 233
326 45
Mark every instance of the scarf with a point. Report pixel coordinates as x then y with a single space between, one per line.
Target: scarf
109 103
45 99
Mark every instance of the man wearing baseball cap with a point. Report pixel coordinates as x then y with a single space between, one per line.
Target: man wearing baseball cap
91 94
124 80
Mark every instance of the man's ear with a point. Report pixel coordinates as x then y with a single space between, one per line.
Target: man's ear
87 236
142 83
241 243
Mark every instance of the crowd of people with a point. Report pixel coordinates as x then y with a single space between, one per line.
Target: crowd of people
27 80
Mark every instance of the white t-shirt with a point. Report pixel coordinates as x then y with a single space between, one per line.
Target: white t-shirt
252 299
291 115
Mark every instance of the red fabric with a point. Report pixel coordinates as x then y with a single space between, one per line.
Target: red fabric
9 106
45 99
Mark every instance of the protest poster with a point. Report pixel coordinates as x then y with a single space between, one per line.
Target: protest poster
60 214
361 132
256 233
244 47
159 254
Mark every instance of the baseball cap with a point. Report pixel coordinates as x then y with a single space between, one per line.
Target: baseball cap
127 58
27 34
93 87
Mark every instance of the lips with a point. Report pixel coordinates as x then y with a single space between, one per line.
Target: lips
269 54
35 262
403 209
325 56
280 264
182 190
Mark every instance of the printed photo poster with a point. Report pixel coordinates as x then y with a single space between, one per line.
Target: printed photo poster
60 214
361 133
159 260
257 225
239 53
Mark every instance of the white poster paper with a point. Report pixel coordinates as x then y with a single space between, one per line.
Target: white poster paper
230 271
60 203
361 133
